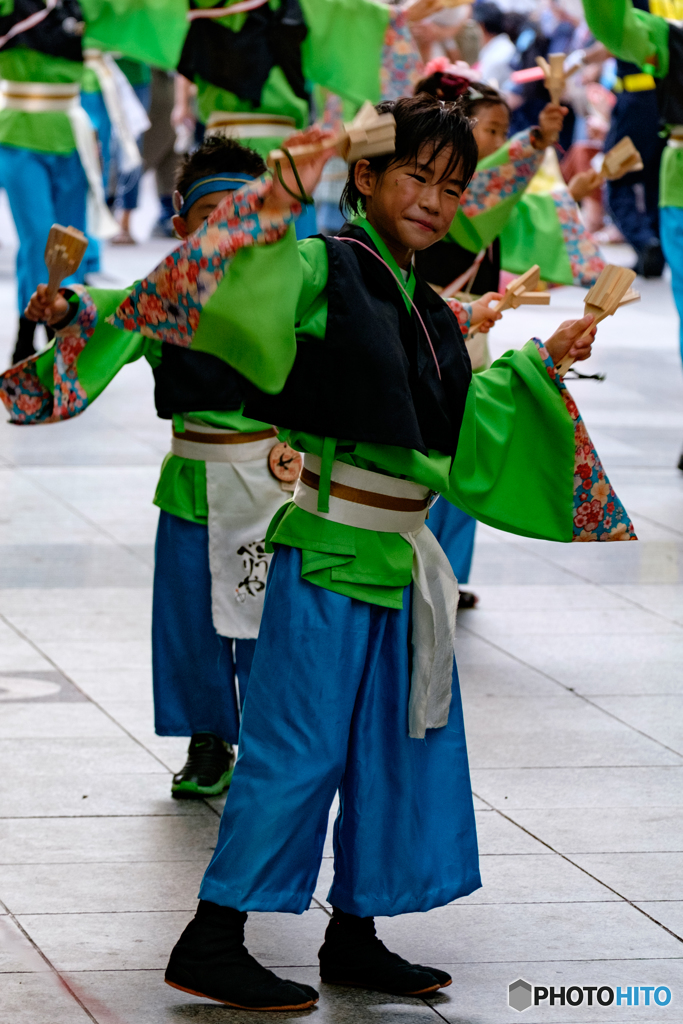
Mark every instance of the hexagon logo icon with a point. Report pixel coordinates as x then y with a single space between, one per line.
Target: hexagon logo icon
519 995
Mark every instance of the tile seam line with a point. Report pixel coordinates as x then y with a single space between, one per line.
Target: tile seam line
569 860
90 700
62 672
63 982
81 515
580 696
590 582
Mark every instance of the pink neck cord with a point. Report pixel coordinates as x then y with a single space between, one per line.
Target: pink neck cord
372 252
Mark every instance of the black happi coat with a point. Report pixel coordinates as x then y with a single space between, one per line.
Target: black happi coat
242 61
373 378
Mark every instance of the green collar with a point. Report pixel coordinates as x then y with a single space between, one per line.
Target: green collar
409 285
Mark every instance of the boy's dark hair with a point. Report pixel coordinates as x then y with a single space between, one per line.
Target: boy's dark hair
420 121
216 155
470 96
490 17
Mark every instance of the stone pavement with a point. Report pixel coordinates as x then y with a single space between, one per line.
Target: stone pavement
572 674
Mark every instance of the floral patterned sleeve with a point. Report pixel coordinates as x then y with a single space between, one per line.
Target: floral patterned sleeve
510 175
598 512
463 314
401 63
23 393
167 304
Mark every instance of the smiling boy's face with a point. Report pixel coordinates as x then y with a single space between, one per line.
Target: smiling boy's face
412 205
197 213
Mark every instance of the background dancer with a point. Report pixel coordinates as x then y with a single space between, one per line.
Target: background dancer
216 493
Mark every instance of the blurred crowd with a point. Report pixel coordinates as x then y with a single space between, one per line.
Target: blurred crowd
607 99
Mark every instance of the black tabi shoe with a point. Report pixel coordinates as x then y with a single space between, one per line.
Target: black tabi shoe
680 462
353 955
466 599
210 960
650 262
208 769
24 345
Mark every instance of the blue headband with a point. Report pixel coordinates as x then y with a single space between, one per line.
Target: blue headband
215 183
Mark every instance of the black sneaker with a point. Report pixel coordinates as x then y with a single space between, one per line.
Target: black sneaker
208 769
680 461
466 599
353 955
211 960
24 347
650 262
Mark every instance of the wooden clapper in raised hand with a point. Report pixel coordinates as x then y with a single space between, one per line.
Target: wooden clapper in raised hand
369 134
620 160
611 290
63 254
555 74
522 292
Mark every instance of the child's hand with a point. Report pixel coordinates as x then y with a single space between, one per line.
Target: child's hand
42 310
573 337
550 122
483 318
583 183
309 166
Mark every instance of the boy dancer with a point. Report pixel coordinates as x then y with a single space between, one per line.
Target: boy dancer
380 399
216 492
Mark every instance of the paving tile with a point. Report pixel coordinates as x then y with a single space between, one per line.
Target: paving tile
92 655
40 999
584 622
657 715
121 942
47 758
74 565
78 794
633 787
604 829
664 599
667 912
37 721
130 997
506 678
16 952
103 886
637 876
496 835
115 684
156 840
523 599
487 933
559 730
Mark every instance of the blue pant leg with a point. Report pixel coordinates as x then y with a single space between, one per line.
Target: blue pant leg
308 665
454 531
26 176
671 228
405 837
192 666
244 656
69 198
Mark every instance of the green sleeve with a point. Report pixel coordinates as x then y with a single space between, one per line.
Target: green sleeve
152 31
514 467
343 48
105 353
249 320
533 234
636 36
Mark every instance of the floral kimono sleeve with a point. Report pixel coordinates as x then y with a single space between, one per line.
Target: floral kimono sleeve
231 289
85 356
525 462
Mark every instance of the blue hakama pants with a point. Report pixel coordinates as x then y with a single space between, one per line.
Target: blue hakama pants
327 711
454 531
43 189
193 667
671 230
